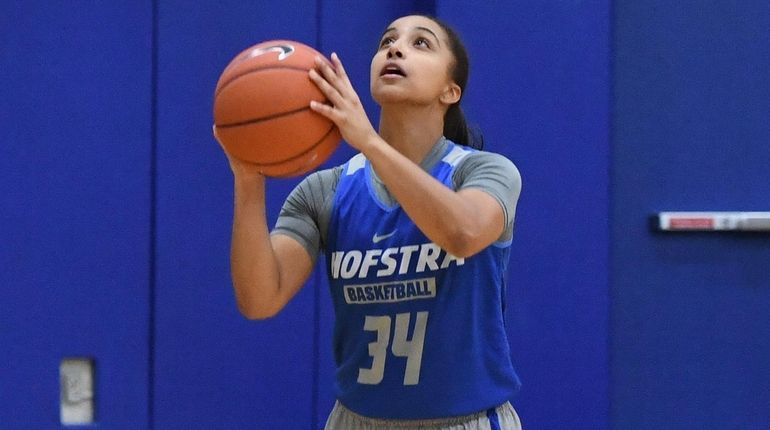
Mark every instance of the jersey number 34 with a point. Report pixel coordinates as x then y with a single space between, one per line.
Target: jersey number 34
400 347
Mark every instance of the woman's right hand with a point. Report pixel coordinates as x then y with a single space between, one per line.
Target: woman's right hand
242 170
267 271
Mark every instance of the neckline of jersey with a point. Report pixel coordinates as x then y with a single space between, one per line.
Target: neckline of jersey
379 192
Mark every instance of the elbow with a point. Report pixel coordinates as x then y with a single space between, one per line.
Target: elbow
460 251
255 313
256 307
462 243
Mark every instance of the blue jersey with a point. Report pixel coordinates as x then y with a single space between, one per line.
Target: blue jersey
419 333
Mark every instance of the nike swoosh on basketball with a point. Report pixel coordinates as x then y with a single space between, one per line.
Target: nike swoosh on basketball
378 238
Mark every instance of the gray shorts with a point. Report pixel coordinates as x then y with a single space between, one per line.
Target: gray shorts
502 417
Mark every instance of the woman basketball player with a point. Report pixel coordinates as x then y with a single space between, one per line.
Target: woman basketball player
416 229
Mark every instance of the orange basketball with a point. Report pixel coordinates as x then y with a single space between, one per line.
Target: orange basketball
262 110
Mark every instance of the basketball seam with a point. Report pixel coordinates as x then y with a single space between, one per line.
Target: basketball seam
230 81
264 118
312 147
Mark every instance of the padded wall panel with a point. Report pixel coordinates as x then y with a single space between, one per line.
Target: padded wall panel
691 312
214 368
75 207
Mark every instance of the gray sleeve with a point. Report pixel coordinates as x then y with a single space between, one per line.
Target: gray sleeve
495 175
306 212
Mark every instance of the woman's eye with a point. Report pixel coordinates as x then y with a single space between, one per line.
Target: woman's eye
386 41
422 42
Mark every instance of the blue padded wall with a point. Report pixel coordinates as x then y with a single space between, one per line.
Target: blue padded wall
75 86
116 209
691 312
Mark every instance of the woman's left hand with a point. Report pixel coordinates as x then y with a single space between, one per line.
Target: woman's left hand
345 110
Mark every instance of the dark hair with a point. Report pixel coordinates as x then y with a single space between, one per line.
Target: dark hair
456 127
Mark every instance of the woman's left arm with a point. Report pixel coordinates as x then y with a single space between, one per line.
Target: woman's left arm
461 222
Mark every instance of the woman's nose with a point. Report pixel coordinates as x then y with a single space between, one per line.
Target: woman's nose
394 51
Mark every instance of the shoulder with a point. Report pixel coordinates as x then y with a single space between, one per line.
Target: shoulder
320 183
495 175
483 163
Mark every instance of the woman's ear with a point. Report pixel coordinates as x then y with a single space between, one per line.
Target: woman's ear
451 94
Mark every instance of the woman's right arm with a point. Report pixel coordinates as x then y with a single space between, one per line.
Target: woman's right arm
267 271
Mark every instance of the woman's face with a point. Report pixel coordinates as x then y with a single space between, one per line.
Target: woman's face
412 64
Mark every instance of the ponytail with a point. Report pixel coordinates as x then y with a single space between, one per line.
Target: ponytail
457 130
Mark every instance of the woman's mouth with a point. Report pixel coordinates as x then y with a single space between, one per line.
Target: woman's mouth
392 70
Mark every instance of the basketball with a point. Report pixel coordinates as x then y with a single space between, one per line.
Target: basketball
262 110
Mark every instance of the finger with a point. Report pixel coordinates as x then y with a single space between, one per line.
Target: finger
325 110
340 82
325 68
338 67
346 87
329 91
216 135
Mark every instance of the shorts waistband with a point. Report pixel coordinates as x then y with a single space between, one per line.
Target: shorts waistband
417 423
